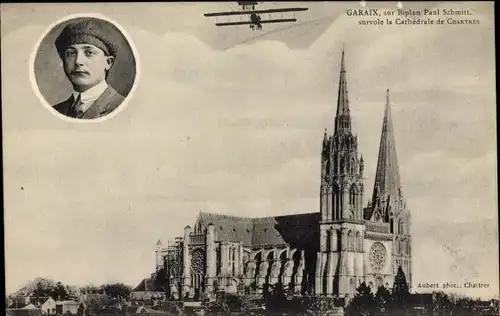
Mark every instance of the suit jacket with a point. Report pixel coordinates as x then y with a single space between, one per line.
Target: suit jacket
107 102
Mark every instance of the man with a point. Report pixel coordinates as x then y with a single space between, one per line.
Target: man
88 51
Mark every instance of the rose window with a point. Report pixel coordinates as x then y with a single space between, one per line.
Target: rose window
378 256
198 261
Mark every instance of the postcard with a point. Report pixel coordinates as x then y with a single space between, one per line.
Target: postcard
237 157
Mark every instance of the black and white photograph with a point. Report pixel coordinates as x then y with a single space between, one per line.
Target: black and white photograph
85 68
314 158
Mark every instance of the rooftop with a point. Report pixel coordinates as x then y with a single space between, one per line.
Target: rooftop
295 230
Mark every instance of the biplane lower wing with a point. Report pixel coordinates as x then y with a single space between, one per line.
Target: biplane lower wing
261 22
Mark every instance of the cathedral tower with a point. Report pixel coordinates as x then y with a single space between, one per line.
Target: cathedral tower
159 255
340 259
388 202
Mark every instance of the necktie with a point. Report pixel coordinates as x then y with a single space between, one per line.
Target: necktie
77 105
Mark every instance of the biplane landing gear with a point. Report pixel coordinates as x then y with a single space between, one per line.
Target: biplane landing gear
258 27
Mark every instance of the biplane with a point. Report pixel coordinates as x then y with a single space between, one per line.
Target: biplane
254 17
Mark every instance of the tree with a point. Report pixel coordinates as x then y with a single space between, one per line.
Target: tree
400 291
91 289
117 290
81 310
442 305
274 296
42 289
238 302
73 291
95 301
39 286
496 306
280 299
160 280
383 298
59 292
363 303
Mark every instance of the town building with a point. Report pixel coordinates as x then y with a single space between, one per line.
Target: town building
67 307
48 306
23 312
327 252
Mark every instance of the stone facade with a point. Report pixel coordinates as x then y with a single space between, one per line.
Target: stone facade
329 252
239 255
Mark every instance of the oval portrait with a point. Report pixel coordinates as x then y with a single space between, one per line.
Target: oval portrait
84 68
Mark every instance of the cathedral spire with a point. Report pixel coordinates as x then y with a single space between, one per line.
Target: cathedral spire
387 180
343 117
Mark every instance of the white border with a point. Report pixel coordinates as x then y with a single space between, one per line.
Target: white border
36 89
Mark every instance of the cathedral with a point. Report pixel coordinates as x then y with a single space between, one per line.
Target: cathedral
328 252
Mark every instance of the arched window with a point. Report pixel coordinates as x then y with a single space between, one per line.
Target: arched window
233 262
350 238
333 240
335 202
324 202
353 166
218 254
328 239
359 242
353 196
400 227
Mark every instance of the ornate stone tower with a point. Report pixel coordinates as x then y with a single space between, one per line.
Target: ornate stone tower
211 258
340 259
388 201
186 260
159 255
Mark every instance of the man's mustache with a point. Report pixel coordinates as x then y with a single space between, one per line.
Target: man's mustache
79 71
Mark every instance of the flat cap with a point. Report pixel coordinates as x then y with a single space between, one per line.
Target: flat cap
97 32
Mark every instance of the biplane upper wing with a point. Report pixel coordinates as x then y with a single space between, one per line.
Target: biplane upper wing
256 12
261 22
248 2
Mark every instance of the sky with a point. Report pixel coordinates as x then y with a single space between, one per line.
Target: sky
231 121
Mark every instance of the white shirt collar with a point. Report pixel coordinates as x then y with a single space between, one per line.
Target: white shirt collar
90 95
